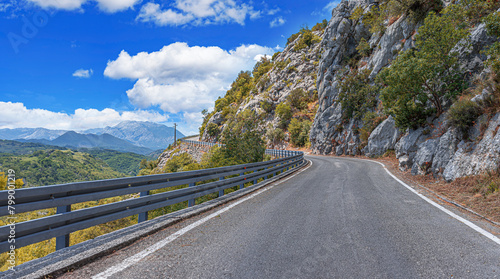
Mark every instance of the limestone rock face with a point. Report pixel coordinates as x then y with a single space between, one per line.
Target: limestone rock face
423 158
383 138
445 150
328 134
217 119
195 151
472 159
293 69
436 148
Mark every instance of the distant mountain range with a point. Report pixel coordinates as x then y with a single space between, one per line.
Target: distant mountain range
146 134
30 133
128 136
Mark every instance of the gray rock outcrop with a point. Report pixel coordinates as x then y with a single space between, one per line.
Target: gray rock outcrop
383 138
436 148
472 159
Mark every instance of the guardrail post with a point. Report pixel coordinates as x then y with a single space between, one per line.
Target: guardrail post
63 240
191 202
144 215
242 185
221 192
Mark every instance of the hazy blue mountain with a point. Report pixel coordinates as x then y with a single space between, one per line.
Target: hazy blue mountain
146 134
105 141
135 136
30 133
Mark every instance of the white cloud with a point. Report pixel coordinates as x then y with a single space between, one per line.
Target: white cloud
81 73
180 78
152 12
198 12
192 122
273 11
60 4
4 6
110 6
277 22
16 115
330 6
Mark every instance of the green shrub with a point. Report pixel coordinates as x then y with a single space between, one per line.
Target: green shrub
298 98
357 13
262 67
375 18
266 106
357 95
212 129
428 74
370 121
275 135
416 10
363 47
243 139
240 89
493 27
299 132
307 39
320 26
178 162
282 64
292 38
284 111
275 55
462 115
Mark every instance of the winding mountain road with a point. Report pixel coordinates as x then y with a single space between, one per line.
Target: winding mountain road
340 218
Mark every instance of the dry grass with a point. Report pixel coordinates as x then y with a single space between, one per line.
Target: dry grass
480 193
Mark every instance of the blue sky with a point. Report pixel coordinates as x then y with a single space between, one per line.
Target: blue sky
80 64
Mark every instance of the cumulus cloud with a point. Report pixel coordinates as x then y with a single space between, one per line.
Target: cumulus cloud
183 79
110 6
15 115
277 22
81 73
198 12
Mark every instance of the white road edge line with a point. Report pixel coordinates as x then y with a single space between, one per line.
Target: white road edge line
157 246
463 220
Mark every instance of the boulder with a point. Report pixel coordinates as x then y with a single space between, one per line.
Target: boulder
444 152
383 138
422 162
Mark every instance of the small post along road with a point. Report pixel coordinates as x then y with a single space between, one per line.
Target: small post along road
340 218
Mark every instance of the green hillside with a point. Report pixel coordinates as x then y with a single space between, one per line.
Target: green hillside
127 163
23 148
48 167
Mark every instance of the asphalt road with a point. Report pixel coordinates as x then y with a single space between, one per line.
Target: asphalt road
341 218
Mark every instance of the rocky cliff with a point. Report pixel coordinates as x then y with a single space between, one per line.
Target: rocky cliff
436 147
292 70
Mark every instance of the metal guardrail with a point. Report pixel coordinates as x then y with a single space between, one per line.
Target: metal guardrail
63 196
272 152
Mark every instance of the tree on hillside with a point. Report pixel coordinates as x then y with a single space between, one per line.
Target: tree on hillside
243 139
420 80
